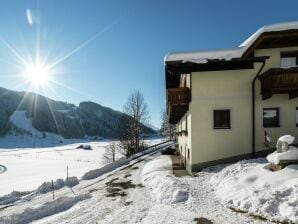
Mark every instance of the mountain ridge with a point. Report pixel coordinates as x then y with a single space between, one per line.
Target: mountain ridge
68 120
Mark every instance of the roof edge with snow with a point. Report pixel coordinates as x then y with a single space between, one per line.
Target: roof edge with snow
202 57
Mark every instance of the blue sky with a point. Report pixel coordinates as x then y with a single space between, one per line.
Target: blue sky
123 42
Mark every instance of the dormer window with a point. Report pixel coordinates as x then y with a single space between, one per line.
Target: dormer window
288 59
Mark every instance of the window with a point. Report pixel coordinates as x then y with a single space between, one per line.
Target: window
188 154
221 119
288 59
270 117
288 62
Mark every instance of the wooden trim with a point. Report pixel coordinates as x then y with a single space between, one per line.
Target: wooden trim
274 39
279 81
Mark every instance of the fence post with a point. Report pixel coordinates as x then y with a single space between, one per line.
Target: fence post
53 190
67 173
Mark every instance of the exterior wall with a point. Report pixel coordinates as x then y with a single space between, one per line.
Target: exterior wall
184 140
221 90
232 90
287 108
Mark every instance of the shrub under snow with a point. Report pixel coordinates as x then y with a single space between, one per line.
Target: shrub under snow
250 186
59 183
166 188
13 197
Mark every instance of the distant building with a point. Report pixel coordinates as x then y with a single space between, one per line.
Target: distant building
223 101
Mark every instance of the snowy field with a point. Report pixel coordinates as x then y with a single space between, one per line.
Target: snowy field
25 169
141 192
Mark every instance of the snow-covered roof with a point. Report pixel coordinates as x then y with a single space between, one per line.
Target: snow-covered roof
228 54
204 56
270 28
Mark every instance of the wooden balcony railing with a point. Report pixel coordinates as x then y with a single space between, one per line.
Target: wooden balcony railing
178 100
278 81
178 95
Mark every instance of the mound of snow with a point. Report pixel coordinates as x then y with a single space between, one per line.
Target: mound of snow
72 181
250 186
287 138
291 154
13 197
166 189
58 184
46 209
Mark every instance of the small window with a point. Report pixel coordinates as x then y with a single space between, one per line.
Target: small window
221 119
288 62
288 59
188 154
270 117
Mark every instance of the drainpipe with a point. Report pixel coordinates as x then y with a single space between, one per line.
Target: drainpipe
253 108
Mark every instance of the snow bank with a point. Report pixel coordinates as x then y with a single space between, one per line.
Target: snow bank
165 188
58 184
92 174
250 186
13 197
121 162
291 154
46 209
72 181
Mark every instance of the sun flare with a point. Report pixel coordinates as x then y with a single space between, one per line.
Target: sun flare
37 74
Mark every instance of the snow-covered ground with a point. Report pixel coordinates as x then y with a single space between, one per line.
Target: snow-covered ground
252 187
26 169
128 195
146 191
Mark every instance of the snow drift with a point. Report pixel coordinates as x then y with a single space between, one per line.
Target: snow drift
58 184
47 209
165 188
291 154
250 186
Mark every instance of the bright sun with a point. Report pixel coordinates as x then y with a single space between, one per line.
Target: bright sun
37 75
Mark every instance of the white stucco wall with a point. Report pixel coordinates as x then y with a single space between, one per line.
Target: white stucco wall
232 90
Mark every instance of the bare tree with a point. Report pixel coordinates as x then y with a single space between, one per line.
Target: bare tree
132 126
167 129
110 153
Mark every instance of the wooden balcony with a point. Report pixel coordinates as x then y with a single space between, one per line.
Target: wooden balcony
178 100
279 81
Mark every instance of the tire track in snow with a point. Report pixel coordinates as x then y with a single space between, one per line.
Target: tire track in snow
2 169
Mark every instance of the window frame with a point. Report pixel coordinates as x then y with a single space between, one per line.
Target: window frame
277 114
289 54
215 127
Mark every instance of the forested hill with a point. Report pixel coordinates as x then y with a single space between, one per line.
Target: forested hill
68 120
